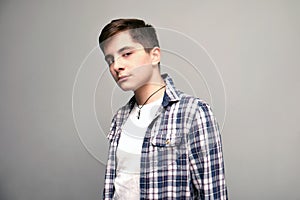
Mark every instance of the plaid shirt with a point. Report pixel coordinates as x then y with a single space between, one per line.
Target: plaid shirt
181 156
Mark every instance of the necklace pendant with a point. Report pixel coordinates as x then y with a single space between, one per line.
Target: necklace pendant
139 114
140 107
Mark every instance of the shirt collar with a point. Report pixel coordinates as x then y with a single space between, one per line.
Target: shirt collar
171 94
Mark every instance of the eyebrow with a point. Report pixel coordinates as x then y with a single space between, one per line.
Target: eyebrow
120 51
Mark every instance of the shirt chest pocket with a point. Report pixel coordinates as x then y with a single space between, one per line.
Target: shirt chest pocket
166 150
166 139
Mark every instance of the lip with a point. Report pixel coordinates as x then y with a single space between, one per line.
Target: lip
122 78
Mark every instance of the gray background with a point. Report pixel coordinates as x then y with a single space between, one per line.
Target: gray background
255 44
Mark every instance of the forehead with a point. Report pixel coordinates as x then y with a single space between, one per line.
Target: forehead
119 41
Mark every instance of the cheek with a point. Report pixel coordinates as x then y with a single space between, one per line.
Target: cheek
143 69
113 73
141 59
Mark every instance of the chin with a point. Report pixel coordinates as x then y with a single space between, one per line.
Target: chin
126 88
129 86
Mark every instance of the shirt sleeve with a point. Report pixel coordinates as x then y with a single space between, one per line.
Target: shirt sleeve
108 189
205 156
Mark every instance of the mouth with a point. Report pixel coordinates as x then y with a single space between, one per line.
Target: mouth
122 78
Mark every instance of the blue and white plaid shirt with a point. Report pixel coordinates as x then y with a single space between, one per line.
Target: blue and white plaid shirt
181 156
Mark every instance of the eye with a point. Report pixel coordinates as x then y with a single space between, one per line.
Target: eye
127 54
110 61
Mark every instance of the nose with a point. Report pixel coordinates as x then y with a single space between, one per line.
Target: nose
118 65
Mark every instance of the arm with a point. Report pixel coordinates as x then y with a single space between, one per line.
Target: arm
205 156
108 189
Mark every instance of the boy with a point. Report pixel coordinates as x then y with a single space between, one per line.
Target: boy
163 144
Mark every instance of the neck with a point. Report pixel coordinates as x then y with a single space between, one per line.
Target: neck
144 92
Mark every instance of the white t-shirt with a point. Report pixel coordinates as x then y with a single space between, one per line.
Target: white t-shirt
127 182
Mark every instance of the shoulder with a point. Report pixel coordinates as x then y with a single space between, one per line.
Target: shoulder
189 110
122 113
194 104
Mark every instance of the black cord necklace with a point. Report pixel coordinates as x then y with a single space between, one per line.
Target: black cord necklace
140 107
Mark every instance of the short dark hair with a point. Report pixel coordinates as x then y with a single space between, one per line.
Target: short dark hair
139 31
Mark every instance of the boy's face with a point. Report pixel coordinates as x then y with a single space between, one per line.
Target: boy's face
129 64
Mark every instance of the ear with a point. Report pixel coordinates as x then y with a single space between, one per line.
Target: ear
155 55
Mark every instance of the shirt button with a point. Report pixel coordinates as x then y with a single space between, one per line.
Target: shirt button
167 141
